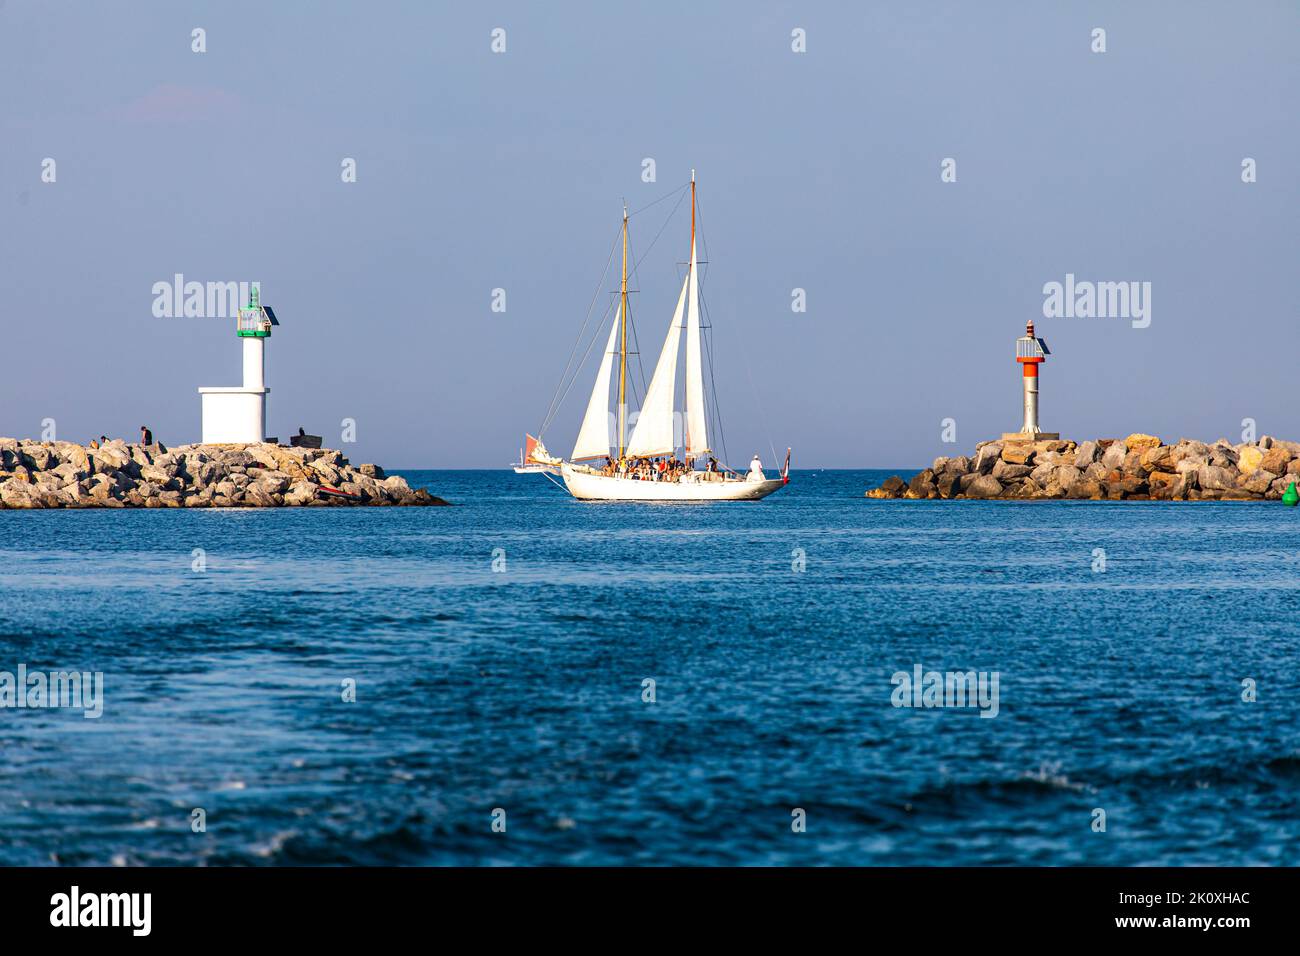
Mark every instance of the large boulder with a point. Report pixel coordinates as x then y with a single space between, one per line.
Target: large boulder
301 493
1249 458
1216 478
1005 471
1258 482
1141 441
1223 454
37 457
1165 485
326 474
1085 488
987 457
1056 457
1017 453
1064 478
19 494
1159 458
1086 454
984 486
1114 455
272 482
1120 485
891 487
257 496
1275 459
1042 474
921 486
959 465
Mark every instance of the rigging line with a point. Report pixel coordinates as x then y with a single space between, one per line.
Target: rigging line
708 340
583 361
713 384
632 325
637 264
636 343
557 400
699 214
743 352
656 202
554 406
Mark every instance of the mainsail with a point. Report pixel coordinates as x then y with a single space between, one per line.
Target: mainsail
653 434
593 437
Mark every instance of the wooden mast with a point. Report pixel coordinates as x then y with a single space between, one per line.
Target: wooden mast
686 387
692 210
622 355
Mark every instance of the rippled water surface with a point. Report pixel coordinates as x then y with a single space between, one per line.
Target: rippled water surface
522 689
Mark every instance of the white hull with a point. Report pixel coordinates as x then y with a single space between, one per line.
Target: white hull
532 469
587 486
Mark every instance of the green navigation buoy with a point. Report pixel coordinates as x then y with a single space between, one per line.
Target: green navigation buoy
1290 497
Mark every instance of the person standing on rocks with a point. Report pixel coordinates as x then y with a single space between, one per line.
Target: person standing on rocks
146 436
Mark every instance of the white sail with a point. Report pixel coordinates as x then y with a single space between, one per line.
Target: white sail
593 437
697 429
653 434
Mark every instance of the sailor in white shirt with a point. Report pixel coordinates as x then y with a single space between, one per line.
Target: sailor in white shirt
756 470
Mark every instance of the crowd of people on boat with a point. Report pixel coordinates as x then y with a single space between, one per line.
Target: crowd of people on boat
667 468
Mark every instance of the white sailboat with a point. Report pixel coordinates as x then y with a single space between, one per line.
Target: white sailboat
644 466
536 460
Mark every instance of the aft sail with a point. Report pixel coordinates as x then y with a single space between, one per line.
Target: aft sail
653 434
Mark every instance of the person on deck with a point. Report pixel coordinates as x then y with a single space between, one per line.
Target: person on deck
756 470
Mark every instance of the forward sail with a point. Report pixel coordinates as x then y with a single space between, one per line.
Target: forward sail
697 429
593 437
653 434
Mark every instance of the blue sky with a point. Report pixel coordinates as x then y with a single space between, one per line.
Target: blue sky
818 170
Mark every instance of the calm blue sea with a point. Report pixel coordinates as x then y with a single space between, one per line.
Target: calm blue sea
522 689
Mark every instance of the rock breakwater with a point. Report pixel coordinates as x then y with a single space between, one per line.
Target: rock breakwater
1139 467
61 474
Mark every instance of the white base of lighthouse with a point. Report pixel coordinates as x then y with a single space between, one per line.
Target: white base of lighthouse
234 415
1031 436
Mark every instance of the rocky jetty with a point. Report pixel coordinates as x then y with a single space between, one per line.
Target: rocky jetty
1139 467
62 474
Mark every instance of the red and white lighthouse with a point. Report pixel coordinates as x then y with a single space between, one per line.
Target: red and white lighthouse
1031 351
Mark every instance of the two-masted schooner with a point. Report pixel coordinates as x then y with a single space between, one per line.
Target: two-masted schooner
644 466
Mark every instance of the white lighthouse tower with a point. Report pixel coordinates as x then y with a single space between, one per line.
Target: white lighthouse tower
1031 352
238 414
